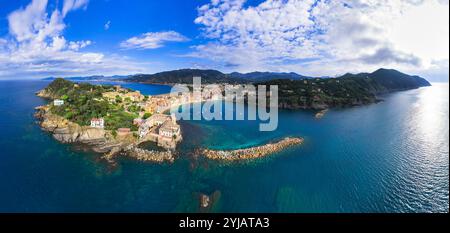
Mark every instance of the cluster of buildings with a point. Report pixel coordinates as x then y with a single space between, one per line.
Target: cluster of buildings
160 125
133 96
160 128
157 104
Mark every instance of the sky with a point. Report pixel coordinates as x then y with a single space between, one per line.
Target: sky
42 38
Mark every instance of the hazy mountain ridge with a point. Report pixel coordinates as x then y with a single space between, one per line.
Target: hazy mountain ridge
212 76
92 78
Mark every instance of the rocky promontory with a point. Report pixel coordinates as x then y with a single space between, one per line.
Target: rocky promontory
65 131
99 140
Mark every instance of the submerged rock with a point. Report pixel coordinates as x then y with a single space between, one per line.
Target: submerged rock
209 203
204 200
321 113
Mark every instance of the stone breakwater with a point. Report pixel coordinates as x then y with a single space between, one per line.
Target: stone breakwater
151 155
253 152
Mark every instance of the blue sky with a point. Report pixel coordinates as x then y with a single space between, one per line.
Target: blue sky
40 38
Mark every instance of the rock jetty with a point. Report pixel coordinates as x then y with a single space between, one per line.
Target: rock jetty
253 152
151 155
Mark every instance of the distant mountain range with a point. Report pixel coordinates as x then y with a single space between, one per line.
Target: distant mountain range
185 76
211 76
93 78
295 91
392 79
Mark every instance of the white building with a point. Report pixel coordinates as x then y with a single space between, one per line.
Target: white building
58 102
169 129
97 123
157 119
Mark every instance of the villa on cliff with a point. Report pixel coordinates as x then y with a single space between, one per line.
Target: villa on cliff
97 123
58 102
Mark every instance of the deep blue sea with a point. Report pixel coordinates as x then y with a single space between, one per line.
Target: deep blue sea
387 157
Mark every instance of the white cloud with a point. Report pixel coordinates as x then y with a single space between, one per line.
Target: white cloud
77 45
36 46
107 25
324 37
152 40
70 5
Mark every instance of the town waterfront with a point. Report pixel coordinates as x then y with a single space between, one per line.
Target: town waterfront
387 157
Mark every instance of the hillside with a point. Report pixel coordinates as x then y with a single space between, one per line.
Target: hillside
347 90
184 76
211 76
265 76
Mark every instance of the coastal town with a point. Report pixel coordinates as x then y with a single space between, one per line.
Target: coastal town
151 123
120 120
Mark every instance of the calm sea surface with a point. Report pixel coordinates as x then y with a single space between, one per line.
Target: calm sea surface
387 157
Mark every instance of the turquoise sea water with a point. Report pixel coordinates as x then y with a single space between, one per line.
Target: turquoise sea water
387 157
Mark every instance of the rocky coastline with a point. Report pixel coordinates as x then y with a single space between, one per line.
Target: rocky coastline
99 140
151 155
253 152
321 114
112 143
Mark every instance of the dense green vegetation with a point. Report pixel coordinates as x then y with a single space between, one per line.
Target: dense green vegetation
185 76
211 76
295 91
84 101
146 115
347 90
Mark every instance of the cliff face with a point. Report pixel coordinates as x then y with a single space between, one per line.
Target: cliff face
99 140
68 132
44 93
77 109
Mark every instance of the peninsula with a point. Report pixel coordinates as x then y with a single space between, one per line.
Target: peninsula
110 119
115 121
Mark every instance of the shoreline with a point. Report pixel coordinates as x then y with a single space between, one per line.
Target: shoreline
98 140
101 142
111 143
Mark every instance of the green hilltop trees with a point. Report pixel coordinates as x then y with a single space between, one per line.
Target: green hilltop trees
84 101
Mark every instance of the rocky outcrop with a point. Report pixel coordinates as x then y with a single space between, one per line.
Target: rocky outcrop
99 140
209 203
150 155
204 201
44 93
320 114
88 134
69 132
